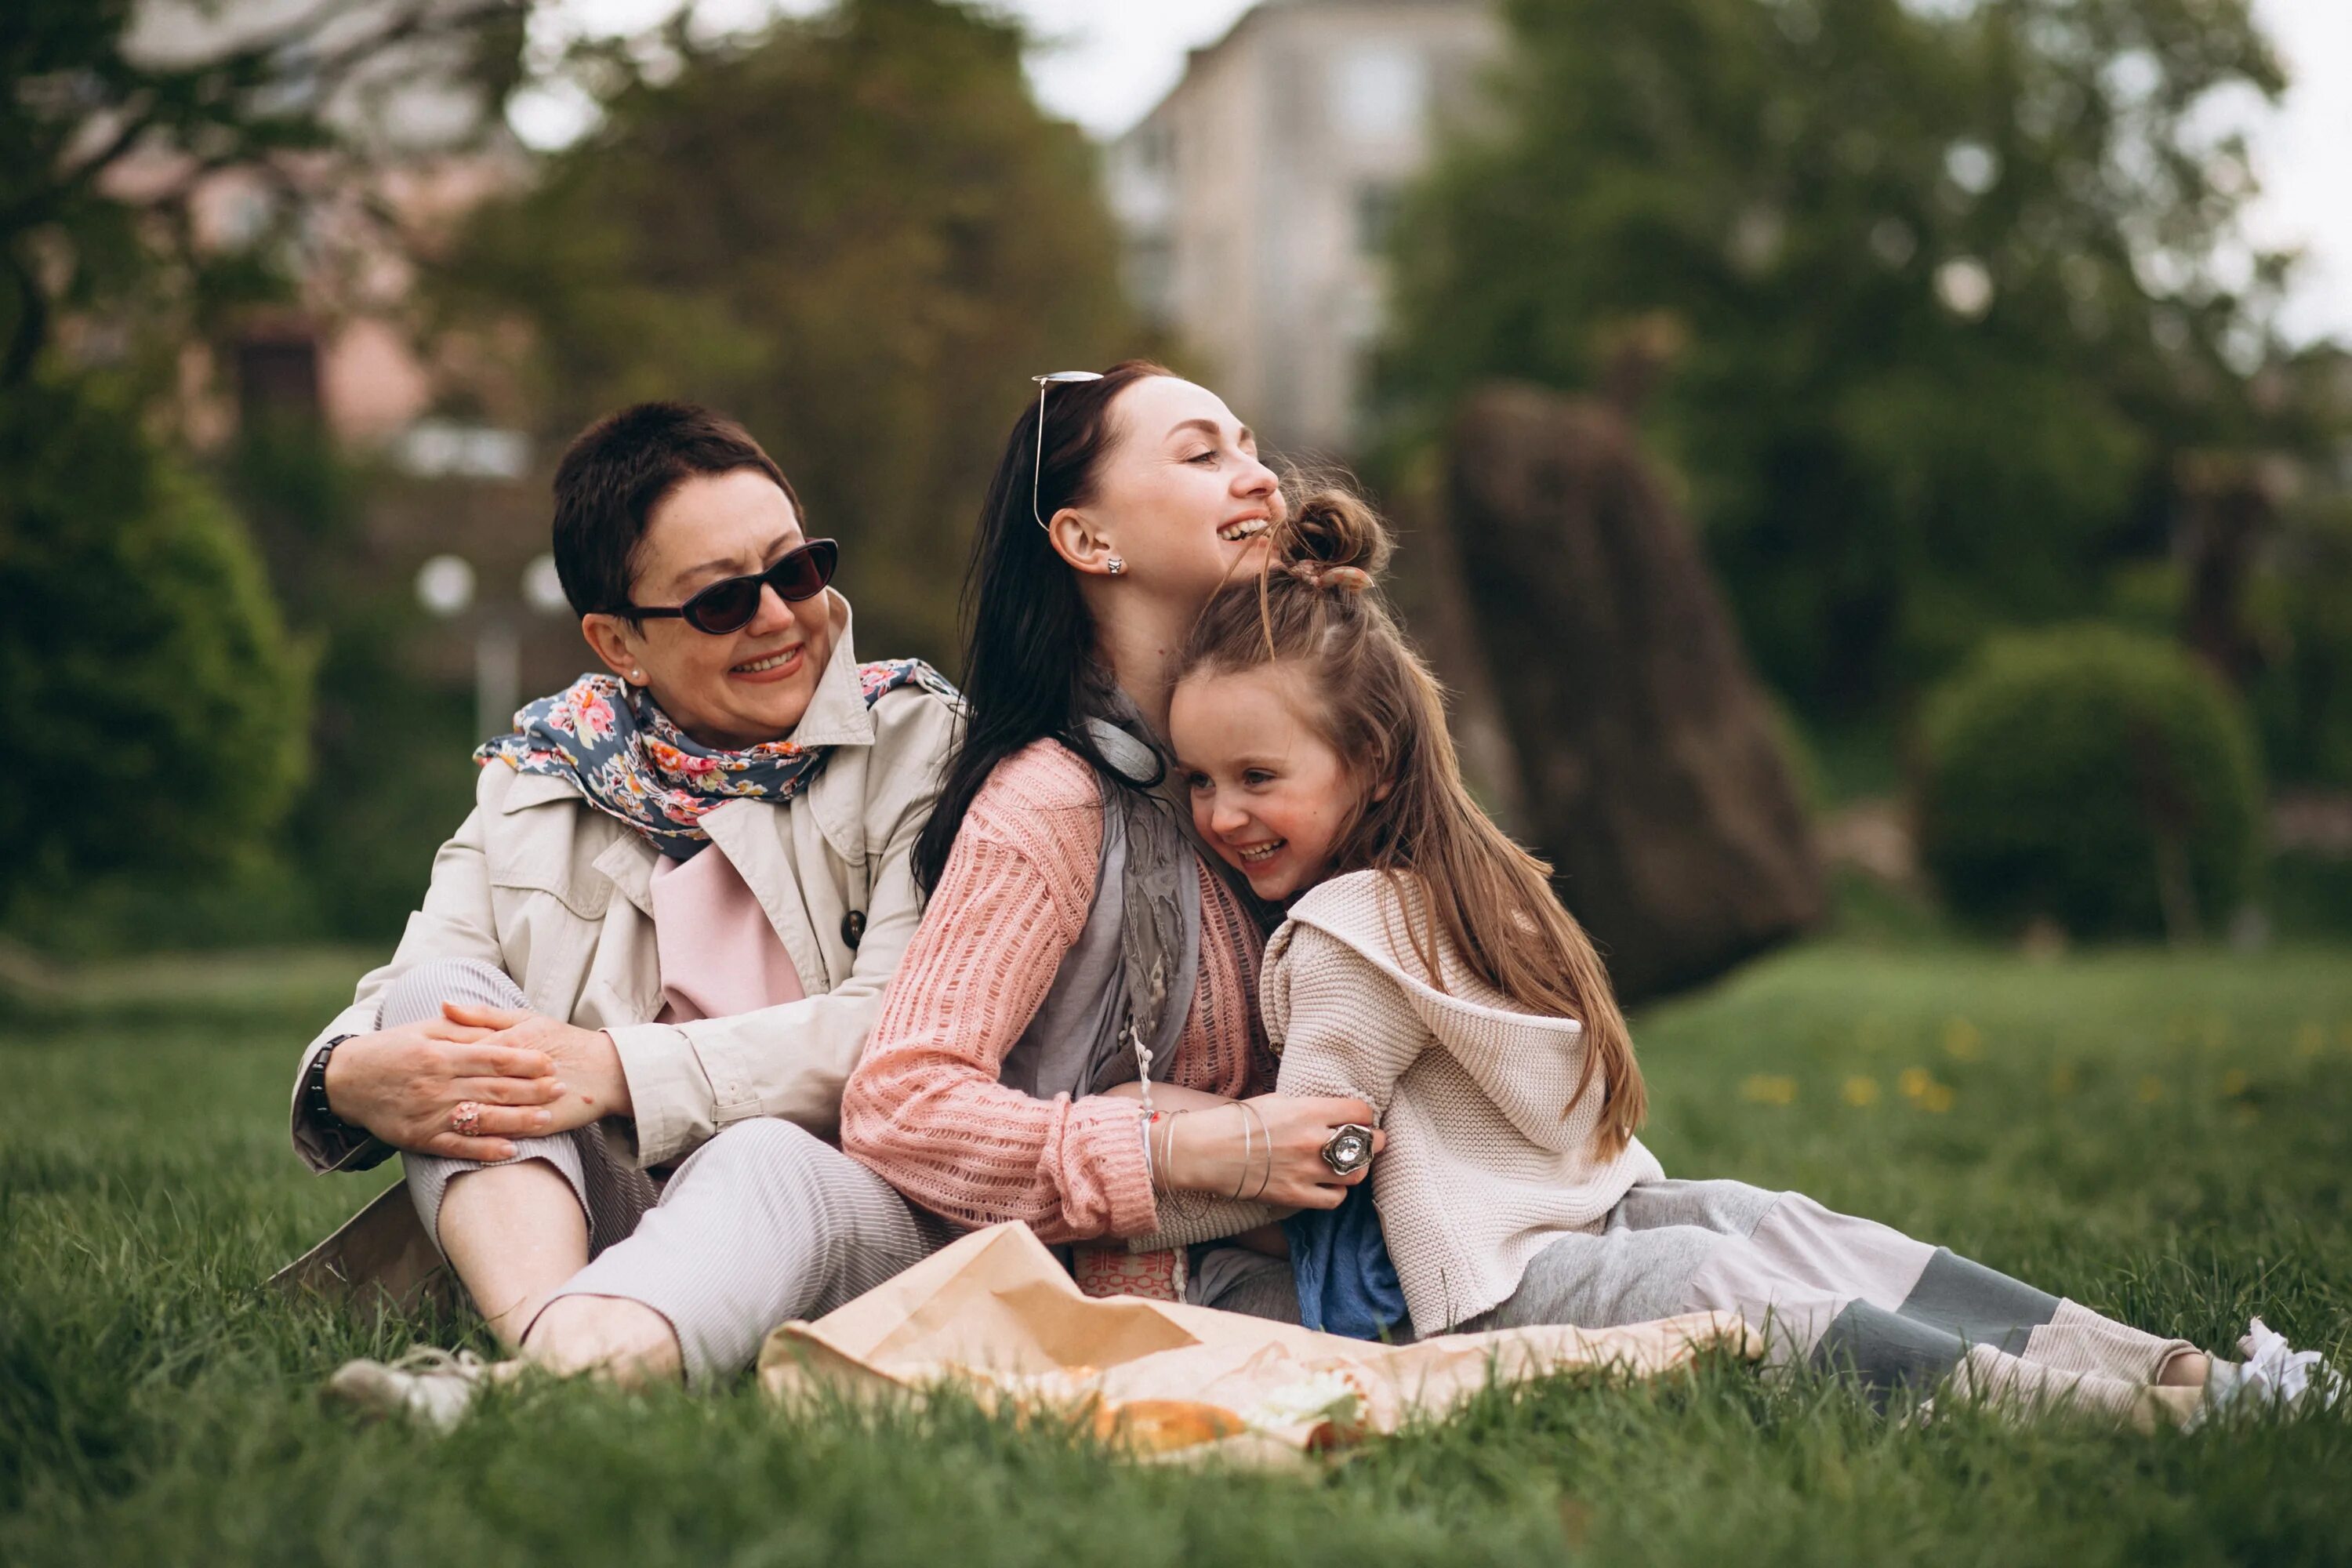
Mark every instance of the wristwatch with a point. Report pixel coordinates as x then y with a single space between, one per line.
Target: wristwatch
314 1098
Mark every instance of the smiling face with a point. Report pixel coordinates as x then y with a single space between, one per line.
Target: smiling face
1268 791
1179 496
745 687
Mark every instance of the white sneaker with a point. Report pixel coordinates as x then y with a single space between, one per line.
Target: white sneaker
432 1386
2273 1374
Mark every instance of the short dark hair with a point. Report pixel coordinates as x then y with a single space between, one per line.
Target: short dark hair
617 471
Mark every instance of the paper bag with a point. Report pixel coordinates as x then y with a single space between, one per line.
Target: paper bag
995 1315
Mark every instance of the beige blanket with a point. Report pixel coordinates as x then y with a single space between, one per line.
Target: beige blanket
995 1315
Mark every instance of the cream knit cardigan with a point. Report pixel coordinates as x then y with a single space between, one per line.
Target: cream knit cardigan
1481 1170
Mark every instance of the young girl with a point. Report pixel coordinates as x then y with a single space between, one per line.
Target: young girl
1427 969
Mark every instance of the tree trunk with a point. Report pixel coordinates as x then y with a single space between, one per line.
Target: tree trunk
1649 775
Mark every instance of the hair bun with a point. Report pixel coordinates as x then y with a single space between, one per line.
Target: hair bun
1341 579
1330 538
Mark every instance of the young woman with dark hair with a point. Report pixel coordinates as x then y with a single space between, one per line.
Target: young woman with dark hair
1083 970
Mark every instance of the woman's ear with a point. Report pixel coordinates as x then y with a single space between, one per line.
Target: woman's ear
1076 542
611 641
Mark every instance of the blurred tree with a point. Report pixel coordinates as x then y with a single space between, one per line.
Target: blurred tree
161 705
858 234
1955 284
156 707
104 149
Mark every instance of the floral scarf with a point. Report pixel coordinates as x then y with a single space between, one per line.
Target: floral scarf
626 758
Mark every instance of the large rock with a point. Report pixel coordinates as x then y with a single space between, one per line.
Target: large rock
1649 773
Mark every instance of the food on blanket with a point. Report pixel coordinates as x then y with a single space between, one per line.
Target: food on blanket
1331 1397
1159 1426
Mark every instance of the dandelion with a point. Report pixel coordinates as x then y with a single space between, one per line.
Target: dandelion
2151 1089
2062 1080
1768 1089
1961 1041
2234 1081
1938 1100
1915 1082
2245 1116
1860 1091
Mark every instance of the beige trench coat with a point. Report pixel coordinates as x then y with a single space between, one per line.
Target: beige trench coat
558 895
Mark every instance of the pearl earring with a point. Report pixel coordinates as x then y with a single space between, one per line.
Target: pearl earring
638 676
1115 565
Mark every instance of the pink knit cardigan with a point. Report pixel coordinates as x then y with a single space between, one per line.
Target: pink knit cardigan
924 1108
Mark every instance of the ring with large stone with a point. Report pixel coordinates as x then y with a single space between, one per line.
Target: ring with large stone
1349 1150
466 1119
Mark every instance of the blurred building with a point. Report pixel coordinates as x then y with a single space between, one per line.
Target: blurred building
406 96
452 499
1258 196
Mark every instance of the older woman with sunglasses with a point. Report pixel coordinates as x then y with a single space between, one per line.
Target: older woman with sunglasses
655 946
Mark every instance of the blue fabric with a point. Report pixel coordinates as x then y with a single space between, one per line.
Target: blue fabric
1340 1263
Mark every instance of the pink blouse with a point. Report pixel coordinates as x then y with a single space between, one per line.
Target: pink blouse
719 954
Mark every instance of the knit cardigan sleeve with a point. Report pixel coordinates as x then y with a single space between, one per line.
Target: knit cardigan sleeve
924 1108
1336 1019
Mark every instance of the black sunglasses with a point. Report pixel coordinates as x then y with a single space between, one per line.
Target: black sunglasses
728 604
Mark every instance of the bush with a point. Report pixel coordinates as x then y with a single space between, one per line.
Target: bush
2093 776
157 709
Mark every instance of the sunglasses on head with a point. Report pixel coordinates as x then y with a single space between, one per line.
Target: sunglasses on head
728 604
1051 379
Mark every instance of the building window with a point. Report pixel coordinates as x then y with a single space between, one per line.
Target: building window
1376 214
277 375
1379 92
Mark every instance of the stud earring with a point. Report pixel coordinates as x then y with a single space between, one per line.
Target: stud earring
1115 565
638 676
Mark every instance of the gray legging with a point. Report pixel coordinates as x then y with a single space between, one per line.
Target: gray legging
763 1224
1839 1291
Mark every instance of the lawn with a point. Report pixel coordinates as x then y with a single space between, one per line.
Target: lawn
2162 1136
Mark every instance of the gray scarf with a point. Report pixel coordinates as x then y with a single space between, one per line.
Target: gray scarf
1136 965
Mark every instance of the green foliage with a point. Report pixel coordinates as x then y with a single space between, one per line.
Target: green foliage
156 705
859 235
1953 283
2304 701
2097 778
2158 1136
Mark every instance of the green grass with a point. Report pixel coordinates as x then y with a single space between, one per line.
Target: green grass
2160 1136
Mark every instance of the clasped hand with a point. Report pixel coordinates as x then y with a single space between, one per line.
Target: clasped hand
532 1076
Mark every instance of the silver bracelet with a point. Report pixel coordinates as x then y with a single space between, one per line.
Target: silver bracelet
1242 1180
1265 1178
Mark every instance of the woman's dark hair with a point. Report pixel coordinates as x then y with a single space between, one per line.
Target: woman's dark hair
1028 642
617 471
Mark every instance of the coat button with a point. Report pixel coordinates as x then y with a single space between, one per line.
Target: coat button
853 929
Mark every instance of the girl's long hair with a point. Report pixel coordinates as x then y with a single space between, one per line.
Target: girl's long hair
1028 642
1489 900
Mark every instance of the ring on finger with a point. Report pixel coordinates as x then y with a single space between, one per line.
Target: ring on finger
466 1119
1349 1150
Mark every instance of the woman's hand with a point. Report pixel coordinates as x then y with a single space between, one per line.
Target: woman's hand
400 1085
586 1059
1275 1156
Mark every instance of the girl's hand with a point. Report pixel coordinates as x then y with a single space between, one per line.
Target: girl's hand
586 1059
1276 1156
400 1084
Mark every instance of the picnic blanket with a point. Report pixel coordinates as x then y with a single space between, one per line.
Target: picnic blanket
993 1314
